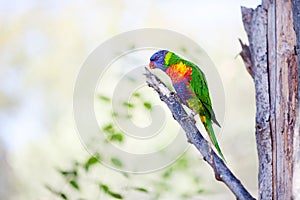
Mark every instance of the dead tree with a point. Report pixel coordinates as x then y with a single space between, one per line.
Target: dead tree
271 58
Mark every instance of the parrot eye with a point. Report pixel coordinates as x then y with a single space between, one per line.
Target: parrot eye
156 58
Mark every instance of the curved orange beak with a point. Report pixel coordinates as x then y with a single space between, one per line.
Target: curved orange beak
151 65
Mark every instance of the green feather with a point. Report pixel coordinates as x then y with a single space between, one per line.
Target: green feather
212 136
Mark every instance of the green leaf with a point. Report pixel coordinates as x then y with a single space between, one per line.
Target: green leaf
68 174
200 191
109 128
136 94
60 194
116 162
91 161
104 187
115 195
63 196
141 189
74 184
104 98
113 135
148 105
127 104
168 173
117 137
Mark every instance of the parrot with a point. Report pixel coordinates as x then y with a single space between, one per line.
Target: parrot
190 85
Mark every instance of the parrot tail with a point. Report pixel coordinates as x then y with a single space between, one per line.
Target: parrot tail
208 126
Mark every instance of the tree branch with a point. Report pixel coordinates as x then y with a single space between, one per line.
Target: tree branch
246 56
222 173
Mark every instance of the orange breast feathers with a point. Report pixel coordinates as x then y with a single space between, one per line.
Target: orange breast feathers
178 72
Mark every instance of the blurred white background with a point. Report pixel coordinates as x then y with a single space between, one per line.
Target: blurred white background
43 45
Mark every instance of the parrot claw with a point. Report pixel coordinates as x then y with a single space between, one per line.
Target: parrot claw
193 114
173 116
189 117
192 118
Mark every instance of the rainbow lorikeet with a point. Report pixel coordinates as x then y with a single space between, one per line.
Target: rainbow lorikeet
190 84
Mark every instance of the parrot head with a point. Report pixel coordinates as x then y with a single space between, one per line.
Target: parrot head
157 60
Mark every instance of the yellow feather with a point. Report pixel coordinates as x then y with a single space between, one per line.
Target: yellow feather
181 68
203 119
167 57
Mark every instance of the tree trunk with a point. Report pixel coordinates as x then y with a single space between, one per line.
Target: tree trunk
296 152
272 60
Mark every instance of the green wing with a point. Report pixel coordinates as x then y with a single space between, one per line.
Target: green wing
199 85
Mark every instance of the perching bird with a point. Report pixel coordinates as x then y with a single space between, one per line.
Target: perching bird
190 84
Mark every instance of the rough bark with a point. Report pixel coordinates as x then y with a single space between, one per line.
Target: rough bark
275 73
285 74
255 23
296 19
296 153
222 172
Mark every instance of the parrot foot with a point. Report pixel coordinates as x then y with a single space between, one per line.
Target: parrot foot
193 114
173 116
189 117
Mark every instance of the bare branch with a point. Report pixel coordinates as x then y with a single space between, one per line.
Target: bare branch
246 56
222 173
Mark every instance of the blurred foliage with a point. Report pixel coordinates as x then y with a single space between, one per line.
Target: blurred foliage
154 189
75 176
112 133
108 191
104 98
43 45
